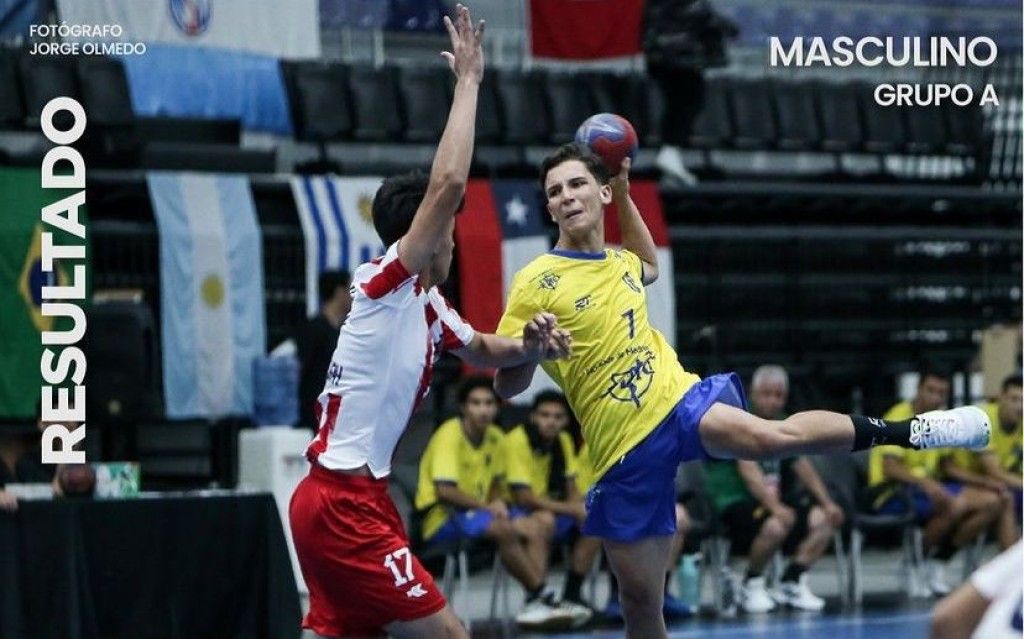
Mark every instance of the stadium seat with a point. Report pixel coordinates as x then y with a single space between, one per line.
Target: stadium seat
377 103
526 115
751 104
884 131
712 129
105 94
965 127
841 127
570 102
424 88
798 121
12 108
926 129
321 104
124 364
45 78
111 138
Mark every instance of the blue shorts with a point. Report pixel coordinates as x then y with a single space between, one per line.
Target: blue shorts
466 524
636 497
564 524
919 501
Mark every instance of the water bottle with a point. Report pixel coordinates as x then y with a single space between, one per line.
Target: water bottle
688 575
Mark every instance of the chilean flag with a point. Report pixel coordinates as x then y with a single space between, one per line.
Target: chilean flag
500 230
585 29
661 295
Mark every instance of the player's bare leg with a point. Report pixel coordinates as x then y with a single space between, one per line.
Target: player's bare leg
443 624
729 432
640 568
537 530
513 554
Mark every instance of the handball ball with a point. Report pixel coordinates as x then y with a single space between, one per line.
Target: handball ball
611 137
77 480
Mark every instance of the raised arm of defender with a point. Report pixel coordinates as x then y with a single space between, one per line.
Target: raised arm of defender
450 170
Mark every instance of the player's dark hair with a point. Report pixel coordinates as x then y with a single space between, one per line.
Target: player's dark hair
474 382
396 203
556 472
1012 380
550 396
935 372
330 281
573 151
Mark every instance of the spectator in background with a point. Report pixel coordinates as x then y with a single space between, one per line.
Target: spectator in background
952 514
540 463
998 467
681 38
318 338
21 463
458 495
766 510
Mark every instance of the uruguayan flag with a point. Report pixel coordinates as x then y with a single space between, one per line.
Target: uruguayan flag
337 226
211 292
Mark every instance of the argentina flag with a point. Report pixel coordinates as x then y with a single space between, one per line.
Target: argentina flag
337 226
211 292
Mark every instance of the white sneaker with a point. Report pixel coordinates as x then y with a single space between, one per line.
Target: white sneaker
798 595
579 613
935 573
754 596
963 427
539 614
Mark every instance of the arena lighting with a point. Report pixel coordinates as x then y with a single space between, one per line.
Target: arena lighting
63 215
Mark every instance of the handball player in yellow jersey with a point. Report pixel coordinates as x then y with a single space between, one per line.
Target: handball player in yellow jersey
641 412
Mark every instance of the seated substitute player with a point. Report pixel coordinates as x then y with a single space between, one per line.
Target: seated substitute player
999 465
540 465
459 496
764 509
350 541
640 411
952 513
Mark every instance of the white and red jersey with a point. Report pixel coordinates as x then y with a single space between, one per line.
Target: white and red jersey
381 368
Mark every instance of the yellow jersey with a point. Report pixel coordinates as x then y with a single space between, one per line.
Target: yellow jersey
922 463
525 467
622 378
1005 446
451 457
584 471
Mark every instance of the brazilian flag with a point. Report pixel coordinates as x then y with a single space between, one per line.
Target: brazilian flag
21 282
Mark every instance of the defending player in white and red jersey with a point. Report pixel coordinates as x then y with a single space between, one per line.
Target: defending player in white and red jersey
351 543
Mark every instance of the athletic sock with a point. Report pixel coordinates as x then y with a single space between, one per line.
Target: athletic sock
793 572
752 574
534 594
573 583
874 431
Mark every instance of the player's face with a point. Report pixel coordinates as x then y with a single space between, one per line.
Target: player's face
480 410
932 393
769 398
1010 407
550 418
574 198
442 263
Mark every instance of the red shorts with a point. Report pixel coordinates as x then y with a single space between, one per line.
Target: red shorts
355 557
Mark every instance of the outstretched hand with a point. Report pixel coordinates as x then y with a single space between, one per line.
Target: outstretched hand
544 340
466 58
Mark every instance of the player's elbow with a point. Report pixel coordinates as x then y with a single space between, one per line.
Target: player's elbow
449 188
650 274
507 385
